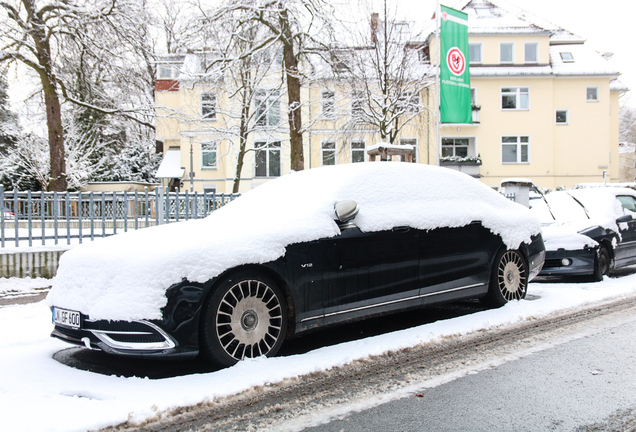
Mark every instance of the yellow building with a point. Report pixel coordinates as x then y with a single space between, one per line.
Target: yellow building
545 107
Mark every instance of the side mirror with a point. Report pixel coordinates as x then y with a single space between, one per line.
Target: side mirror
626 218
346 210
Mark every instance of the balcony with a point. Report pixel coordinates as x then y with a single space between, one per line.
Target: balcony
467 165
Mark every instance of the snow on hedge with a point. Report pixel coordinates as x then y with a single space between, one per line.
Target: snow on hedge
124 277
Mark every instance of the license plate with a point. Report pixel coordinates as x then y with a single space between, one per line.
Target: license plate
66 318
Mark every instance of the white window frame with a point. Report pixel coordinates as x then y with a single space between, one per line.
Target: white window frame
212 104
328 102
352 150
209 188
481 53
215 148
567 116
324 150
269 148
265 103
455 146
409 101
564 60
518 93
483 11
519 144
172 68
598 93
512 53
357 105
414 160
525 53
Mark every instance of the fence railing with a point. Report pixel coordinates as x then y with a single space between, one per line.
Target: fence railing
48 218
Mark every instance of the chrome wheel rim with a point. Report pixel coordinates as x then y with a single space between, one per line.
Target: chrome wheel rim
511 276
249 320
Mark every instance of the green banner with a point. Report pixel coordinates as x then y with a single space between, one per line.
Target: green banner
455 103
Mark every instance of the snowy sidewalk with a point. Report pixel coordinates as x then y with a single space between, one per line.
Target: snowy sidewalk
67 399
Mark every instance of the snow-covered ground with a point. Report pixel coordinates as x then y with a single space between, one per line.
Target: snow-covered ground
39 394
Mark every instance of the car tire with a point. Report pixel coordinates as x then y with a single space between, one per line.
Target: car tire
508 279
245 317
601 264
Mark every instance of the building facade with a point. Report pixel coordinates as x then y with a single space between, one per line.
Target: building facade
545 107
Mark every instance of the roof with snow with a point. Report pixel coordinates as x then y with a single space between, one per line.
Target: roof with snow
569 56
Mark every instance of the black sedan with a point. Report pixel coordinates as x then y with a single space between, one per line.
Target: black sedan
356 241
588 232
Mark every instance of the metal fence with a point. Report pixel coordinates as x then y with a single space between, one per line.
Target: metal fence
50 218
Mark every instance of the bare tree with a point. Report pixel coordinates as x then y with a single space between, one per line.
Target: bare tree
627 124
387 70
292 24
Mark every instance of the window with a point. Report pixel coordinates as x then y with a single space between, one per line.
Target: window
167 72
267 56
358 150
592 94
208 106
567 57
474 52
328 151
208 154
412 142
408 102
515 98
507 52
329 104
457 147
267 108
483 11
515 149
357 105
422 55
628 202
401 30
267 159
562 116
531 52
209 188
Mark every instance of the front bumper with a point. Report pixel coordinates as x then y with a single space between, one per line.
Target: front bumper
135 338
569 262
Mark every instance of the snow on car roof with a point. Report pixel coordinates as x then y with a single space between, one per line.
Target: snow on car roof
124 277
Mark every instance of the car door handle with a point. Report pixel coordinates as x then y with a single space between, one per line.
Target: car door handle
401 229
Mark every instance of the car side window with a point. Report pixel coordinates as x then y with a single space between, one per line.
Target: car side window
628 202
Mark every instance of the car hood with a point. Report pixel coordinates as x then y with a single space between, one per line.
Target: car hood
564 235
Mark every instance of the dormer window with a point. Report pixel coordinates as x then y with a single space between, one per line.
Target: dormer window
567 57
167 71
483 11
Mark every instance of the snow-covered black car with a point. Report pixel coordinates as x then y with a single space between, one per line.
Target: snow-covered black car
310 249
588 232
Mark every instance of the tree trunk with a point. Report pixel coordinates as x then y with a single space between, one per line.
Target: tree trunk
293 94
243 132
57 181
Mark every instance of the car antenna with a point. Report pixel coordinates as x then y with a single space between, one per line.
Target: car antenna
579 203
